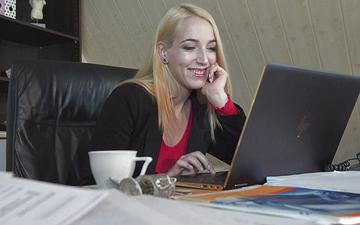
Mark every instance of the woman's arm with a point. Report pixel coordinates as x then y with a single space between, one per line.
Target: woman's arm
114 127
116 122
227 137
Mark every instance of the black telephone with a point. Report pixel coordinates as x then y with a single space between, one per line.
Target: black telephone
345 165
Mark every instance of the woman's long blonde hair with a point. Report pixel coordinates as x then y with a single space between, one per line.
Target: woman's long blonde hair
155 76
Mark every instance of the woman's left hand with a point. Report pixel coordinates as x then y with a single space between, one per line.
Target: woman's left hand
214 89
191 163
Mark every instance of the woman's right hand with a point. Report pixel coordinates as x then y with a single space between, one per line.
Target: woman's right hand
214 90
191 163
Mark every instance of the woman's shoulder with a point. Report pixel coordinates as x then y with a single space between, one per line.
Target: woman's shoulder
130 87
131 96
131 90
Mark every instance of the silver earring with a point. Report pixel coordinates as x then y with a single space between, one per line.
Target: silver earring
164 60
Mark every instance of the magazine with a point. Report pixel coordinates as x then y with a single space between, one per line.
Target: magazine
321 206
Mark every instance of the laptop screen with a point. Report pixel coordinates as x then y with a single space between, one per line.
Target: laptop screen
295 124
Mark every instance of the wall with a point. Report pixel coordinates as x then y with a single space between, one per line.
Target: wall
318 34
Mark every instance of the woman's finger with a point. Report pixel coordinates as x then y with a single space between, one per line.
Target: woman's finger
212 71
201 158
195 162
207 165
184 163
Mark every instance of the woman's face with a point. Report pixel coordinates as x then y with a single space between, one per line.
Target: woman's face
192 53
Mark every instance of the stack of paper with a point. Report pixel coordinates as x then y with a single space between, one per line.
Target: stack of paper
346 181
24 201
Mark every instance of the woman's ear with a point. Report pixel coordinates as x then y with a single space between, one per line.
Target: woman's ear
162 51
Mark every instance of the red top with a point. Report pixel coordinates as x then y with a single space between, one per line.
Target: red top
169 155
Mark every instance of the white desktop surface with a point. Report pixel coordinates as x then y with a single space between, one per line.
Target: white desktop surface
115 207
121 209
148 210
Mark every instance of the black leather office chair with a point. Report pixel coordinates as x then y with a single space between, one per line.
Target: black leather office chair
52 110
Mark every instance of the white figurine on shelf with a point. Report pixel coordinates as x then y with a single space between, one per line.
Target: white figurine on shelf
37 7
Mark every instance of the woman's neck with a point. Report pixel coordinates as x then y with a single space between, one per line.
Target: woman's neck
180 102
176 130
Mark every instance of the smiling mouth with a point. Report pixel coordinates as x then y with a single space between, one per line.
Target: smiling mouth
199 72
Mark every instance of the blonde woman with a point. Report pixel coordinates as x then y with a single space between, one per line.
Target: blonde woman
178 106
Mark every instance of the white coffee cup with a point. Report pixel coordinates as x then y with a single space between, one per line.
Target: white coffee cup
117 164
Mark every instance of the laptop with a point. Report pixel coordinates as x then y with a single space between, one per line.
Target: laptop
294 126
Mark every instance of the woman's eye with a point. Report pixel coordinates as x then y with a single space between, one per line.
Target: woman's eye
213 49
188 48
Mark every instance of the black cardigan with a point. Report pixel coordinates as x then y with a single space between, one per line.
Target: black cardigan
129 120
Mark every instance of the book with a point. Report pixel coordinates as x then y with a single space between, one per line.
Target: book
2 134
321 206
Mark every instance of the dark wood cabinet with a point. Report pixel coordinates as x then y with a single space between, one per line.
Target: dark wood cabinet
21 40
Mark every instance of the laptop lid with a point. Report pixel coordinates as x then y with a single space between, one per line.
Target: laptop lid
295 124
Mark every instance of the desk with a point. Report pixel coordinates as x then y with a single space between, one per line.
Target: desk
117 208
148 210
